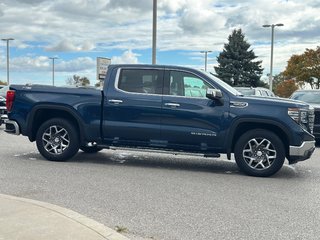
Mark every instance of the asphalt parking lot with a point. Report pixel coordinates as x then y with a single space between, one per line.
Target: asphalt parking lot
165 196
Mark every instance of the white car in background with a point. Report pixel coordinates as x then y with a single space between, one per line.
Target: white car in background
258 91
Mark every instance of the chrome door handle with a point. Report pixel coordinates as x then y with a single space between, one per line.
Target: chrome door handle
172 105
115 101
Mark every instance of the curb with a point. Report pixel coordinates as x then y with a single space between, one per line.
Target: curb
99 228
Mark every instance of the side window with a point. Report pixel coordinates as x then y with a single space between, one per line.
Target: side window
188 85
141 81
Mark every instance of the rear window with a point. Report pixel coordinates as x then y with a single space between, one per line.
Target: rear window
141 81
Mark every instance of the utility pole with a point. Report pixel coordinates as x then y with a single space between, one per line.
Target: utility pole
154 33
271 58
53 58
205 59
7 40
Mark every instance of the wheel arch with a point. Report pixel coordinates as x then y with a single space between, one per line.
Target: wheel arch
42 113
244 125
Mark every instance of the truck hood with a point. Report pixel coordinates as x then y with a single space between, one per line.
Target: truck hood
274 100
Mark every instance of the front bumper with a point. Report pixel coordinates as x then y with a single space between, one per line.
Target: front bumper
302 152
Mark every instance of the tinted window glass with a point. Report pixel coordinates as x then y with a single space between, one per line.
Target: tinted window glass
141 81
188 85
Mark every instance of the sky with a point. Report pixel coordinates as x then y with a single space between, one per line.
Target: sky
79 31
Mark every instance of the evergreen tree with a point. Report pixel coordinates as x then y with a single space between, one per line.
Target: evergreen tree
236 65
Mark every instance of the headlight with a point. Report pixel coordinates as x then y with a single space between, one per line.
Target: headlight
294 114
303 117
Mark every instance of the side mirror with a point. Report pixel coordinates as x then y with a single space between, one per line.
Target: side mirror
213 93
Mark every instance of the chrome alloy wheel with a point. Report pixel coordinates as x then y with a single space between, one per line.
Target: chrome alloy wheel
259 153
55 139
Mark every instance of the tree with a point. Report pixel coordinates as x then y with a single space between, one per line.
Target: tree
236 65
286 88
305 68
78 81
278 79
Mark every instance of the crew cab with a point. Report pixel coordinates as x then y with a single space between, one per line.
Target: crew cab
168 108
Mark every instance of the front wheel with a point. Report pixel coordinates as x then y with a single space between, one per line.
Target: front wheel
57 140
260 153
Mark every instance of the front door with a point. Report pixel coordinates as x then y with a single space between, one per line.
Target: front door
190 121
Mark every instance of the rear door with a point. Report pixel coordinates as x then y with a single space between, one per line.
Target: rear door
132 107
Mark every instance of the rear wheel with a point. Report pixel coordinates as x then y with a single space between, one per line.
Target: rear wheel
260 153
57 140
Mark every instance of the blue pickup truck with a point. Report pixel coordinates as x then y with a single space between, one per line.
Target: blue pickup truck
169 108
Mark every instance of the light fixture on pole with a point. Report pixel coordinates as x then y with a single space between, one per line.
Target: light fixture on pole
272 40
7 40
53 58
154 33
205 59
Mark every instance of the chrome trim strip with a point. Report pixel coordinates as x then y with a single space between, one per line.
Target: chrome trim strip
238 104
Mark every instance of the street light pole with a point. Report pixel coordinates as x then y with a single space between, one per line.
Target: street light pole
7 40
205 59
53 58
272 41
154 33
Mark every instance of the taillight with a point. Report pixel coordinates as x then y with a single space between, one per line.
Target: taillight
10 99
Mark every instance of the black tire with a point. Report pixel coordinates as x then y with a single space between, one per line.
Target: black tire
259 153
57 140
93 149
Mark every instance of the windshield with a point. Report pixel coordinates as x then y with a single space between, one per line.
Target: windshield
308 97
222 84
246 91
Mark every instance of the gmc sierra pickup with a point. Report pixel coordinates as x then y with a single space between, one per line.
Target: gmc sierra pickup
169 108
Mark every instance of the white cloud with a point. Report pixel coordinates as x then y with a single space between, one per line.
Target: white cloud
126 58
68 46
22 64
188 25
76 65
142 5
43 63
200 21
171 6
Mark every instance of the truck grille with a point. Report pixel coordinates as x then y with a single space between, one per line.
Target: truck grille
311 117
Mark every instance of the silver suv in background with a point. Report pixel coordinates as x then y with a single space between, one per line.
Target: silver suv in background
259 91
311 97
